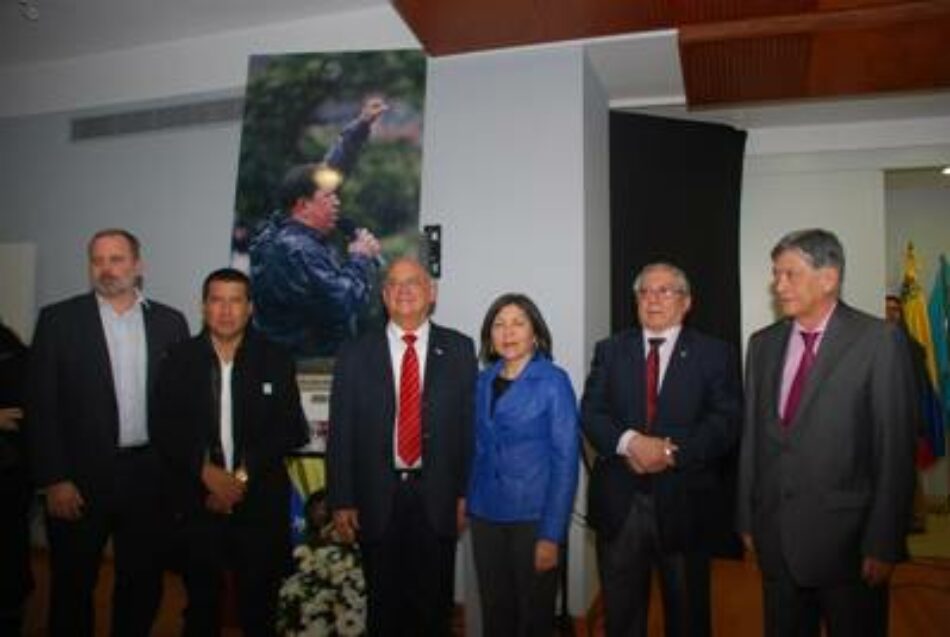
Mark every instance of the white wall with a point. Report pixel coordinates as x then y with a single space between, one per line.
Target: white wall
850 203
505 167
921 216
190 66
174 189
838 185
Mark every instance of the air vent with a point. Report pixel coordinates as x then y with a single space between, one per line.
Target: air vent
159 118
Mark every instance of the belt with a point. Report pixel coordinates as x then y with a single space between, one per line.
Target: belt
133 450
408 475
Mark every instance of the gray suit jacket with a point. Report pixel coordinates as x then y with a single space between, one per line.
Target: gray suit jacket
835 486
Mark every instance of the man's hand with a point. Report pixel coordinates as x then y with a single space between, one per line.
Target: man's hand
748 543
545 555
649 454
365 243
224 490
373 108
64 501
10 418
876 572
347 523
460 519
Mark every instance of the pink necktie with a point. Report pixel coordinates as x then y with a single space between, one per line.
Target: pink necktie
409 434
801 375
653 378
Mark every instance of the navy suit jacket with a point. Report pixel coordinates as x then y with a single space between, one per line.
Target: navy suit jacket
698 408
836 484
74 421
360 465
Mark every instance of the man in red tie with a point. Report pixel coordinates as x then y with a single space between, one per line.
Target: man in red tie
398 455
661 408
827 460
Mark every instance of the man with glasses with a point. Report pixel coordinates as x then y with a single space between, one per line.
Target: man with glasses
398 455
661 409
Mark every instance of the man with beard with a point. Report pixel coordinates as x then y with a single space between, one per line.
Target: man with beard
93 360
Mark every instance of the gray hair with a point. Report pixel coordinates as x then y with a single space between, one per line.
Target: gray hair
821 248
682 283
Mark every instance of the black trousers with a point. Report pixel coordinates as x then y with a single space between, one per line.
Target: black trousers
410 572
130 515
16 578
517 601
626 562
850 609
258 554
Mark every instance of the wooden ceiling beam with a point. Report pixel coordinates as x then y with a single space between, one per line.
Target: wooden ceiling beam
815 22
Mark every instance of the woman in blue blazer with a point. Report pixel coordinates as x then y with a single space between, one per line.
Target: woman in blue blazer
524 473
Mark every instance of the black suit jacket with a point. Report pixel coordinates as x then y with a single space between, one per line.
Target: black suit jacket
698 408
360 469
837 484
74 421
267 418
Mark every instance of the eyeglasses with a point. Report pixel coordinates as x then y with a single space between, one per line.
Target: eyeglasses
662 292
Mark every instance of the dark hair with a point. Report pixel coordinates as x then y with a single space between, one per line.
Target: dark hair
298 183
541 333
132 240
227 275
820 247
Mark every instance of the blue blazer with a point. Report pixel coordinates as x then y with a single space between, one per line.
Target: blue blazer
526 454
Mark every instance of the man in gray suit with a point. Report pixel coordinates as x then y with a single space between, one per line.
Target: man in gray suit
827 460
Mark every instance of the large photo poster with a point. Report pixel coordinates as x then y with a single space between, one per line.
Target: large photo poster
327 190
328 186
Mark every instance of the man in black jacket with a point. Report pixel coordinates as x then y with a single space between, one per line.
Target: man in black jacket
92 366
229 412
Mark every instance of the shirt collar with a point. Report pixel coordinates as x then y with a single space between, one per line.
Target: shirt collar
421 332
139 302
822 326
669 335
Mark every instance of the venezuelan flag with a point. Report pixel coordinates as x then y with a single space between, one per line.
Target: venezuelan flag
917 321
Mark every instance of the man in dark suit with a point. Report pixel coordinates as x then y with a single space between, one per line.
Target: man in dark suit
92 364
398 455
228 414
661 409
827 459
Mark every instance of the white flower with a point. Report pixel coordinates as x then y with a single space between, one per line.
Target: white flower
350 623
326 596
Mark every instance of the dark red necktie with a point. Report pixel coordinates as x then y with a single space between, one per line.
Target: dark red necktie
801 375
653 378
409 427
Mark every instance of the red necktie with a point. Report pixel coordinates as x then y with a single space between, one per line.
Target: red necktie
653 377
801 375
409 429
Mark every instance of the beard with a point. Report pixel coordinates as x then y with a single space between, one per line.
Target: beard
110 286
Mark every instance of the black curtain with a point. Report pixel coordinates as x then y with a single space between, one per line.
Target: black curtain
674 196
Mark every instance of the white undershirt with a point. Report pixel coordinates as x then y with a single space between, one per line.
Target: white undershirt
227 421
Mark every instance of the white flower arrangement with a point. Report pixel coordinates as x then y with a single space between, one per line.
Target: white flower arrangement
327 594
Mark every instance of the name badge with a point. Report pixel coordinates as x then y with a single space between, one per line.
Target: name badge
268 389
